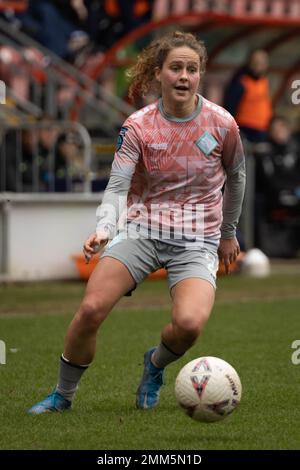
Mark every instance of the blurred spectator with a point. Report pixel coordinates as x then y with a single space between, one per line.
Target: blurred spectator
278 190
54 22
79 48
51 22
24 72
22 169
278 165
131 13
41 160
80 7
296 133
109 20
247 97
47 137
13 72
69 168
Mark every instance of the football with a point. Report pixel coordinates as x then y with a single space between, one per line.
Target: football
208 389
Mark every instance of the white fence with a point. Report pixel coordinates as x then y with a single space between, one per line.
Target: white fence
39 234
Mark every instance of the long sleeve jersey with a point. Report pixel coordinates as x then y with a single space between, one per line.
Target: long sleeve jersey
169 175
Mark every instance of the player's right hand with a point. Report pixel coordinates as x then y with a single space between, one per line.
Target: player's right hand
93 244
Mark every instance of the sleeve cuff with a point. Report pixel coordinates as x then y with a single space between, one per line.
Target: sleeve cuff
228 234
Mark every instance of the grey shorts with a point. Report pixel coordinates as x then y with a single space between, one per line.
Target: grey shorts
143 256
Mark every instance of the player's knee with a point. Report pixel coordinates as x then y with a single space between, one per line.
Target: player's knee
92 313
190 326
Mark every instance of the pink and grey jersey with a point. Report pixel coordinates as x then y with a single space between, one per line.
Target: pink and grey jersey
174 170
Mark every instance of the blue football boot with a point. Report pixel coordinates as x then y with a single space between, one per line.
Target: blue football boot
54 402
147 394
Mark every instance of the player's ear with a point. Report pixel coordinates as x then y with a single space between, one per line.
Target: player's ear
157 73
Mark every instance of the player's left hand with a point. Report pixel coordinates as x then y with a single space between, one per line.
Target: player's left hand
228 252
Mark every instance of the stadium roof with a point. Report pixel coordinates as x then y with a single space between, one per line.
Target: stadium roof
229 36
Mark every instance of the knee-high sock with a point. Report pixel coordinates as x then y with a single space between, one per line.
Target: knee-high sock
69 377
163 356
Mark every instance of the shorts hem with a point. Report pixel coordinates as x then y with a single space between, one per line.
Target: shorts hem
123 261
193 276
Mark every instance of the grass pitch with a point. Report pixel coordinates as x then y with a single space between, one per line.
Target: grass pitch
253 325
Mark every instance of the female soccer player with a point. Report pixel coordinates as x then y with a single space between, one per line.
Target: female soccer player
172 160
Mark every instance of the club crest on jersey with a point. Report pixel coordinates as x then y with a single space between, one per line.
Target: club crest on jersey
206 143
121 137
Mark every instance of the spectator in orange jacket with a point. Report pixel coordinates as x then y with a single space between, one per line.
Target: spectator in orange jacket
247 97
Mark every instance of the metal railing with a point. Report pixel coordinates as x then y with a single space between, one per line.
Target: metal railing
110 111
28 165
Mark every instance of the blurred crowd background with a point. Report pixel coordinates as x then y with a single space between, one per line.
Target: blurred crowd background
64 62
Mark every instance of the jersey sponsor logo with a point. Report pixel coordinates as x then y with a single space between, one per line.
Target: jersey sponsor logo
206 143
159 146
121 137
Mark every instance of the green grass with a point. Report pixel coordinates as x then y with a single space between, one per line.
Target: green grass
253 326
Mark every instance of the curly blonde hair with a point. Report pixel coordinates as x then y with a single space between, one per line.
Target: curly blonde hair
142 74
